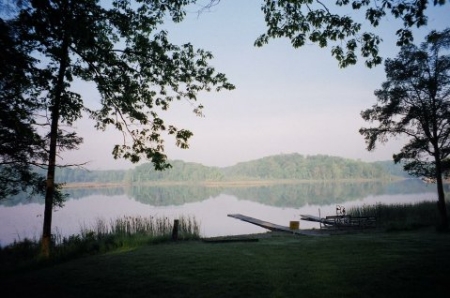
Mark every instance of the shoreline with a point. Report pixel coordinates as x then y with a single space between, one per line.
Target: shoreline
240 183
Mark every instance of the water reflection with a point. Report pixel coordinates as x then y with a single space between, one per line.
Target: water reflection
276 203
320 193
172 195
280 195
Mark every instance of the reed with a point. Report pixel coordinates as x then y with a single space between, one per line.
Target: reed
400 216
150 226
122 233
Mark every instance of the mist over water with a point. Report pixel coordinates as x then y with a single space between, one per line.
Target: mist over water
210 206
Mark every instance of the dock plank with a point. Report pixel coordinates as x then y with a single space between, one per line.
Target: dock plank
270 226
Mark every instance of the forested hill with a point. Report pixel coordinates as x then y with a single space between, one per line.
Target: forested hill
296 166
180 171
285 166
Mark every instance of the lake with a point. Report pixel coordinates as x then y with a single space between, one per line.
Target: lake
280 203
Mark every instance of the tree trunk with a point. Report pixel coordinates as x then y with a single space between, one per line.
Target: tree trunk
441 205
441 197
50 186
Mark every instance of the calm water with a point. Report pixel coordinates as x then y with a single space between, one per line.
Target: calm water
279 204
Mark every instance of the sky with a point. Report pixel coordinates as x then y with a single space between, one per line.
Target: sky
286 100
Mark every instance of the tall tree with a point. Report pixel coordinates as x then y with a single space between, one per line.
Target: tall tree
22 149
21 146
415 102
138 73
334 22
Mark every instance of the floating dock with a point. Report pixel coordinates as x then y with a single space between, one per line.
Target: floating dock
342 221
271 226
318 219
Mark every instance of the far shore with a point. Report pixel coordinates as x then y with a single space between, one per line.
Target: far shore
240 183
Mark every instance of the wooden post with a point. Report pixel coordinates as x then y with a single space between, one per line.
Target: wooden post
176 223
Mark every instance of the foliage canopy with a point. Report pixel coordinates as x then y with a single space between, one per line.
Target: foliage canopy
20 142
325 23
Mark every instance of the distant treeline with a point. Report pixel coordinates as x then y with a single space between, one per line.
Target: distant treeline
278 167
296 166
80 175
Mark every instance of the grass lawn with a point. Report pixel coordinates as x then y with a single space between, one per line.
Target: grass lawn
397 264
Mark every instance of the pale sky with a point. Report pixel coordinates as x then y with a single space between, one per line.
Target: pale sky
286 100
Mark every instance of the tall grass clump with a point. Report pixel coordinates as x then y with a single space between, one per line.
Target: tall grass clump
400 216
129 231
121 233
154 228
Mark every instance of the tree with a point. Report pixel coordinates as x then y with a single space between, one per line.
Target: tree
22 150
20 144
325 23
137 72
415 102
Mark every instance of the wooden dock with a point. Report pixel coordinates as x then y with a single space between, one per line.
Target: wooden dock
271 226
316 219
342 221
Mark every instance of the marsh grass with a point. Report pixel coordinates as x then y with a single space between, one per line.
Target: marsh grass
148 226
122 233
401 216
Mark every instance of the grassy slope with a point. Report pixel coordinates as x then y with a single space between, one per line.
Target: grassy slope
404 264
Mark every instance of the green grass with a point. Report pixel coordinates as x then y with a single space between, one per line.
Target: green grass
399 264
135 257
